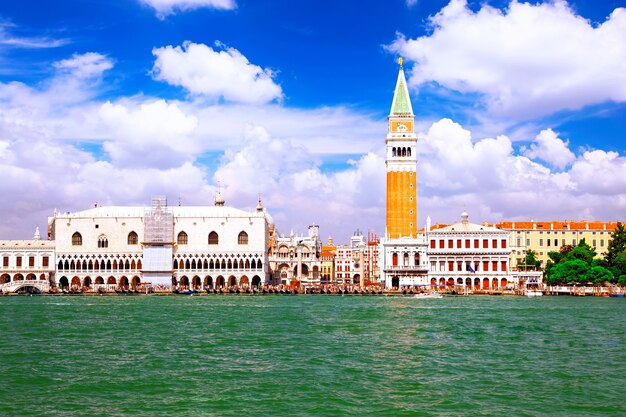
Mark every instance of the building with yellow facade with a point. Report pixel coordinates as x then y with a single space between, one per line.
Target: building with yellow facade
548 236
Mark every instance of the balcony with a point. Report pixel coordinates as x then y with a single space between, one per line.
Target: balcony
406 269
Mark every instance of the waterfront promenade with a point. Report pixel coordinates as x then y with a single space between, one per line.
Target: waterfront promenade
588 291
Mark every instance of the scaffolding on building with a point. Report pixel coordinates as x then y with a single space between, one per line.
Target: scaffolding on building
158 223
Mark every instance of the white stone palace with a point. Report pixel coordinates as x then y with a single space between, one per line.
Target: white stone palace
186 247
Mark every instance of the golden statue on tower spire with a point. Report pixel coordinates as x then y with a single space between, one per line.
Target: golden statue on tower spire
400 62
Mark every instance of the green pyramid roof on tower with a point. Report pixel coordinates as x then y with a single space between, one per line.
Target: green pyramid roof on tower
401 101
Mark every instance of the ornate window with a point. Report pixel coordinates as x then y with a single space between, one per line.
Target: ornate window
103 242
133 239
213 238
77 239
243 238
182 238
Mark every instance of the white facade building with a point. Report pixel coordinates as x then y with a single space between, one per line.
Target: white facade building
26 264
200 247
469 255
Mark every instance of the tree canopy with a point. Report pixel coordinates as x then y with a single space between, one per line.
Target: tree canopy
616 254
576 264
530 261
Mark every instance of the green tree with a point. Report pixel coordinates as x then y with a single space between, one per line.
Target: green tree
582 251
530 261
617 244
568 272
600 275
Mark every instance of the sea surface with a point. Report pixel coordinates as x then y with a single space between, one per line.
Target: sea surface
312 355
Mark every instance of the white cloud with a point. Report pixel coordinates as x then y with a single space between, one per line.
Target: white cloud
164 8
550 148
493 182
88 65
153 134
10 40
146 146
215 74
297 192
411 3
530 60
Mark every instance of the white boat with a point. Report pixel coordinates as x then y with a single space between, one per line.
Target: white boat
428 295
533 293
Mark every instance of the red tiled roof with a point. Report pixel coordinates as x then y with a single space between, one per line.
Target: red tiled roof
557 225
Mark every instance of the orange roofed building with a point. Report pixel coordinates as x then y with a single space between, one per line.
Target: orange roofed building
547 236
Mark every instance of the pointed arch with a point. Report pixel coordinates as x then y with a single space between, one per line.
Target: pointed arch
214 238
242 239
182 238
103 242
77 239
133 239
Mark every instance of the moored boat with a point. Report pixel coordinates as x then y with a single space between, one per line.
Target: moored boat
425 295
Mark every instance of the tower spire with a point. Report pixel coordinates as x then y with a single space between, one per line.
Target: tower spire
401 164
401 104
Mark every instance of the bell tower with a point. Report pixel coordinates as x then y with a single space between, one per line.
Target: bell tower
401 164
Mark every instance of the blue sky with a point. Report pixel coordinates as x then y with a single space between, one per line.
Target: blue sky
113 101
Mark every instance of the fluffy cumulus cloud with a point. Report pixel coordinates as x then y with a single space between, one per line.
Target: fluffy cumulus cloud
88 65
297 190
152 134
164 8
550 148
215 73
63 147
526 61
493 181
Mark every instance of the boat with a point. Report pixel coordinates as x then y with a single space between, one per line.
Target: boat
533 292
426 295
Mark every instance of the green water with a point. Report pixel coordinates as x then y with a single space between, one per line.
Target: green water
312 355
